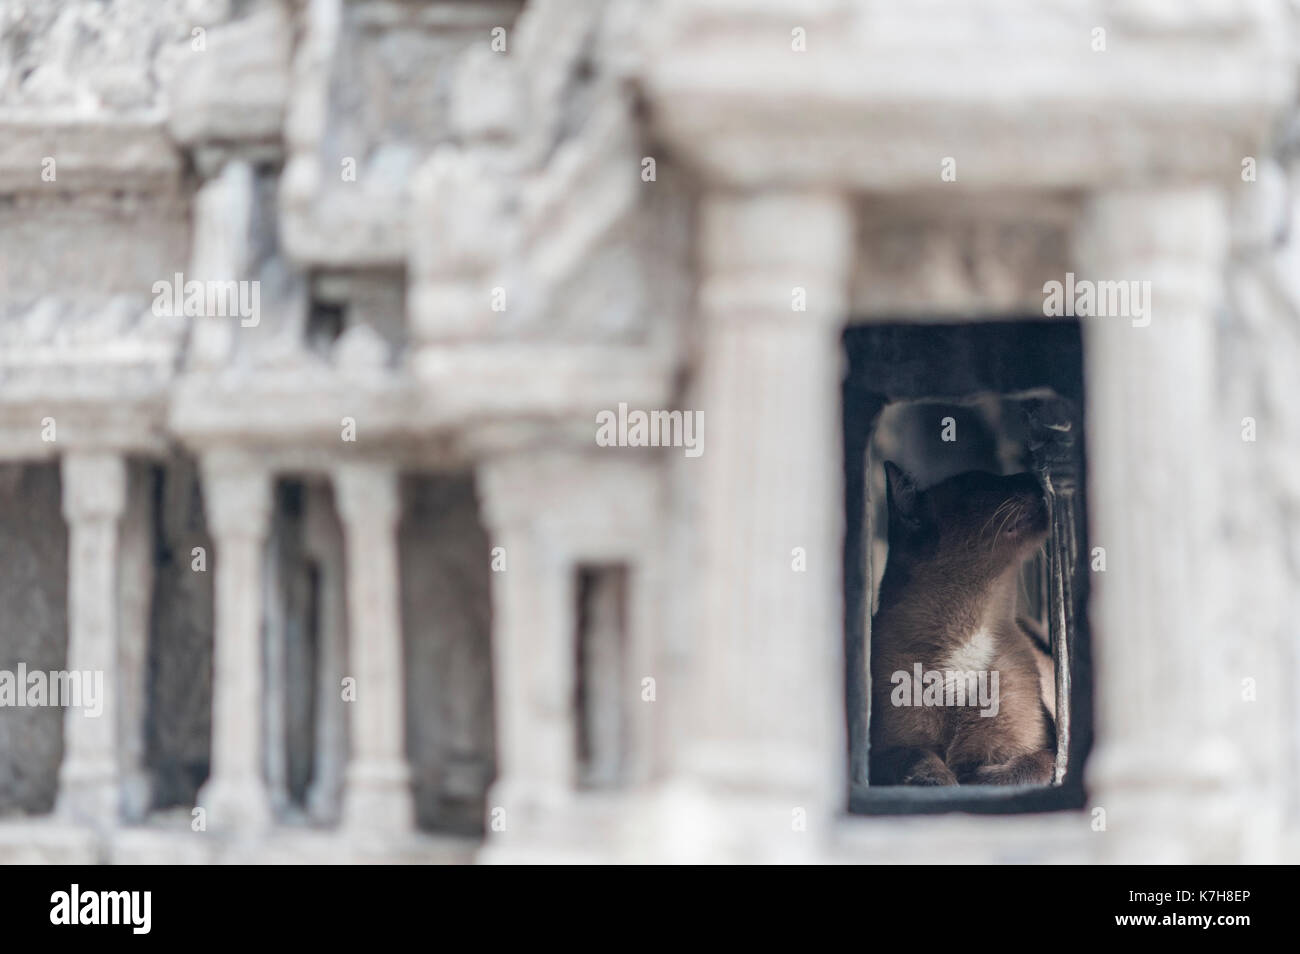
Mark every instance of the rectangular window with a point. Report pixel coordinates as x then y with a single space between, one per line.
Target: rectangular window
961 408
292 652
601 683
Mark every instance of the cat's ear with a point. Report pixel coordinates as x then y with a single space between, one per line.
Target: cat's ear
901 494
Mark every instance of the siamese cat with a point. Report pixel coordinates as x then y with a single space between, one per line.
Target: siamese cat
946 622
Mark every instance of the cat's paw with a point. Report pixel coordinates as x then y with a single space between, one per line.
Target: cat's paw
931 774
1037 768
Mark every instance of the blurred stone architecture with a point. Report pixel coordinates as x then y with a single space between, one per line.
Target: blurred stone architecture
363 585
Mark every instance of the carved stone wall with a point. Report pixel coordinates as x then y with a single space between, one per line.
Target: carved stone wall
472 227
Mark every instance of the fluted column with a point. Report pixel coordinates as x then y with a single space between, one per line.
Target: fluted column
1160 680
378 778
237 495
773 298
94 496
533 656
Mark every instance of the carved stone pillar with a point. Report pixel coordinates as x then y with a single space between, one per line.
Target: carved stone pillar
533 656
1160 764
773 298
94 496
378 778
237 495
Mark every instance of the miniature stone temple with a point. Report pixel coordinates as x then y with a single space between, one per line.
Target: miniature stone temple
337 529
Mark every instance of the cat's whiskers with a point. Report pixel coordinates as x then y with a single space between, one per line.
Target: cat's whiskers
1002 506
993 539
1002 526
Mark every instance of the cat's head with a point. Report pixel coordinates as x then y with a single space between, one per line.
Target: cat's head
971 521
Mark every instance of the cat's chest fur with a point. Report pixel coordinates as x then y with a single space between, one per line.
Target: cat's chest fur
971 652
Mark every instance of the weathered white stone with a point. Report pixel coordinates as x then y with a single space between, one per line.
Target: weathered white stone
237 495
94 497
377 792
464 253
1160 512
235 88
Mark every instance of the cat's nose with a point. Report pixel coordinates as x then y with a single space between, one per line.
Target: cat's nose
1032 503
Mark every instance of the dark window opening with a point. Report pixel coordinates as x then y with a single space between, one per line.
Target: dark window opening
600 685
33 629
306 652
447 631
325 324
1003 397
178 703
291 664
302 656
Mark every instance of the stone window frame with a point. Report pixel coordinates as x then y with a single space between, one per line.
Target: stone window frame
1046 376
